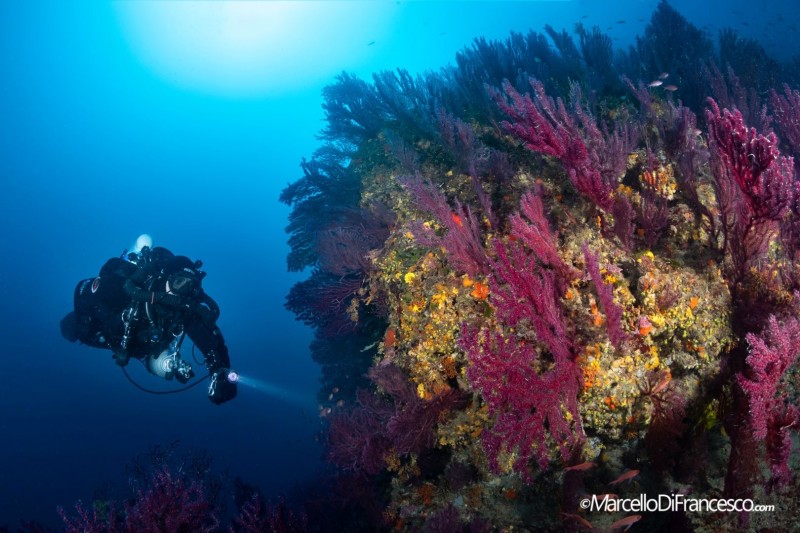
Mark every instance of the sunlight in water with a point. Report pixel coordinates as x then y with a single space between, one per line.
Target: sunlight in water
245 48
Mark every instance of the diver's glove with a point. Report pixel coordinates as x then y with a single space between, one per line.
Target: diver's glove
222 387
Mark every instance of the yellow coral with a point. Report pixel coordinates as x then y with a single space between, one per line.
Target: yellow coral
658 320
421 391
439 299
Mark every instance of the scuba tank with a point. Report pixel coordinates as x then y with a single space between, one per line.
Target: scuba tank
168 364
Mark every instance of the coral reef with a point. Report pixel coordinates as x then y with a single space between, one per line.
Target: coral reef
539 295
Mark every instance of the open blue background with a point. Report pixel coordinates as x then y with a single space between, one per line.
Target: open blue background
96 148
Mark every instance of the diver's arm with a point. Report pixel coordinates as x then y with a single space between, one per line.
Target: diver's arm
203 330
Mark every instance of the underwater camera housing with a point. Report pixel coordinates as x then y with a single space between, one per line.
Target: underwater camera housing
168 364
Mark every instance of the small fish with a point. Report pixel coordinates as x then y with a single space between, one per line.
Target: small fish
370 43
457 220
606 497
579 519
661 385
655 83
621 21
581 467
670 88
630 474
626 522
663 75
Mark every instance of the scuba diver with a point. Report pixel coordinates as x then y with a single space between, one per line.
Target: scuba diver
142 305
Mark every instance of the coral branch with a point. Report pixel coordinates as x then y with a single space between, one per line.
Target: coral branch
771 353
524 293
463 240
782 421
530 225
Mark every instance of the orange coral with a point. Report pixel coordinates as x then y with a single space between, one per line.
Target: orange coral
481 290
597 317
390 339
425 493
449 367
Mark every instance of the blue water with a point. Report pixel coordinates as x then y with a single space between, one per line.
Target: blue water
106 132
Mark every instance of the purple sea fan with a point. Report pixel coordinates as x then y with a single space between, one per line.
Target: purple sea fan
463 241
256 516
527 405
782 421
524 293
771 354
344 250
411 426
171 503
531 385
752 161
89 522
398 420
470 155
753 185
356 439
787 116
530 225
593 157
